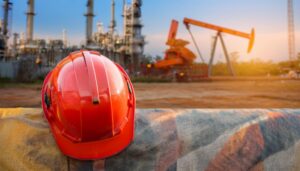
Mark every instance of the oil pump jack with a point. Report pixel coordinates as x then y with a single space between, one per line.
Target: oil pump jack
219 30
178 56
178 62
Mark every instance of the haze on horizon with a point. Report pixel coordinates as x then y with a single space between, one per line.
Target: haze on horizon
268 17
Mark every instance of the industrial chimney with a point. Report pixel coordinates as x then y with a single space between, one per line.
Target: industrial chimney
89 21
113 21
30 14
6 7
124 15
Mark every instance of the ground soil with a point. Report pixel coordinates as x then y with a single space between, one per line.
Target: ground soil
215 94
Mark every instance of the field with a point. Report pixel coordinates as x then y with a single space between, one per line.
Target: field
216 94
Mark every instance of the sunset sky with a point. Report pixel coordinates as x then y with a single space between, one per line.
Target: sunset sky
268 17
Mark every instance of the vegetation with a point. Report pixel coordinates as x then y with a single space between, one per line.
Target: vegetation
257 68
253 68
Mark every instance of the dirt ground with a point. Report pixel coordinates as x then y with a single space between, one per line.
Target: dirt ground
215 94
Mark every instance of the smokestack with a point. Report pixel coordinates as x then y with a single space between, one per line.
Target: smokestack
113 21
124 15
6 8
89 21
30 14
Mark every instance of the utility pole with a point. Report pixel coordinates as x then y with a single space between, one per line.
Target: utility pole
65 38
291 31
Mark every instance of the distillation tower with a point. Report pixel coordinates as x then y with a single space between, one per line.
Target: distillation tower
126 48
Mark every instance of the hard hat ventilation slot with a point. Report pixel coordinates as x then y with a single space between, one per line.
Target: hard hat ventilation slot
96 100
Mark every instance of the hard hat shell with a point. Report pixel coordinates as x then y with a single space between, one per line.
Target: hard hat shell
89 103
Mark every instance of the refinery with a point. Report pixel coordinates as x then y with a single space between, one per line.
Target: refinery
152 86
23 57
19 59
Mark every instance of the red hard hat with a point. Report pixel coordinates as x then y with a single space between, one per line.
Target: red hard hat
89 103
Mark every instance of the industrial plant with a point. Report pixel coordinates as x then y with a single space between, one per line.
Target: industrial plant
23 57
26 53
161 85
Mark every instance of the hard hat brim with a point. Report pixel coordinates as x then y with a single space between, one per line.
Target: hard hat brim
95 149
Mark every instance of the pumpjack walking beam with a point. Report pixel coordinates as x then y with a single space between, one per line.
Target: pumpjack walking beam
220 30
251 36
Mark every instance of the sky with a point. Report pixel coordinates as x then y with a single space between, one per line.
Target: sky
268 17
